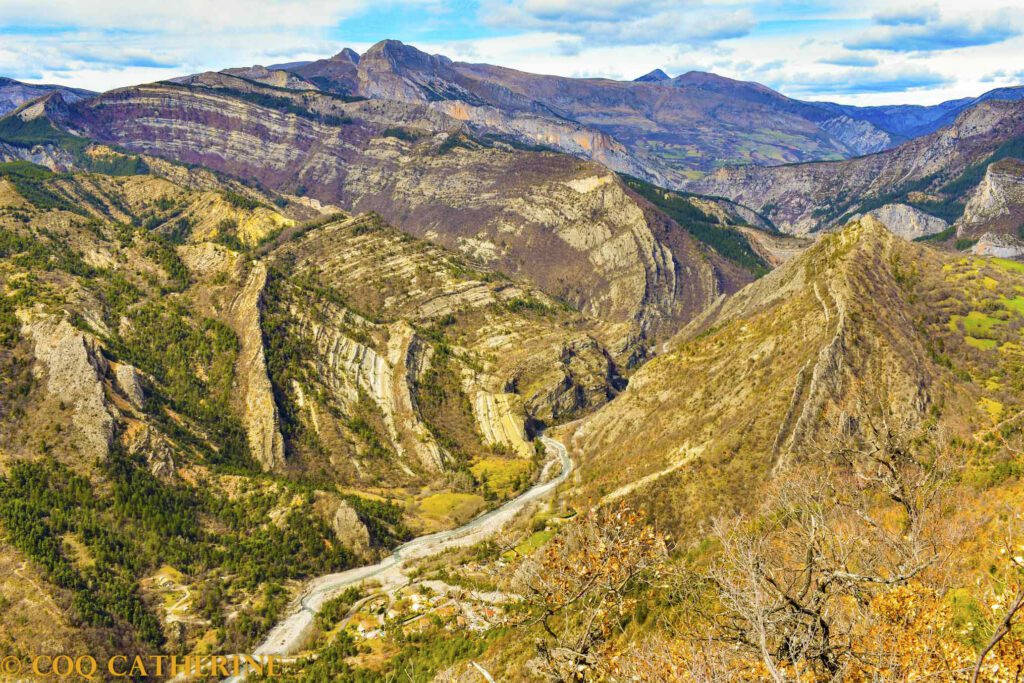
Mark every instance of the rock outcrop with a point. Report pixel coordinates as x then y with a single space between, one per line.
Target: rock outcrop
999 245
259 414
73 367
997 204
907 222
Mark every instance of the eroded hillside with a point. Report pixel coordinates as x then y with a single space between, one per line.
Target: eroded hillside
572 228
196 374
861 317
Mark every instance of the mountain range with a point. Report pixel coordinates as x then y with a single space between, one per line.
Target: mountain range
264 324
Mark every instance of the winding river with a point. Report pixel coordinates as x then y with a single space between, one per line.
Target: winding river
288 635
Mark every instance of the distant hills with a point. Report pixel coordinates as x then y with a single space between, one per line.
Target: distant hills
15 93
664 129
705 121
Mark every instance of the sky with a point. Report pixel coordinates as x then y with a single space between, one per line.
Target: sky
864 52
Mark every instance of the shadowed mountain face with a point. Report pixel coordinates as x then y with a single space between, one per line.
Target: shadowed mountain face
15 93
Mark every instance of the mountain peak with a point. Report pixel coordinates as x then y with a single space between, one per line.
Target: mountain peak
394 55
346 55
655 76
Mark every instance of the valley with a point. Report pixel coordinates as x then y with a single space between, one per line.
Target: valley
407 368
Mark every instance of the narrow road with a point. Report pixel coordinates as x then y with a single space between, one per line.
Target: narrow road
288 635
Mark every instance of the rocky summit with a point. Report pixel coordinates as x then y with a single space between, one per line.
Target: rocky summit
397 367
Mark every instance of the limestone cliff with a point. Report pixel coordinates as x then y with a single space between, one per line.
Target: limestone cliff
908 222
997 204
259 414
73 368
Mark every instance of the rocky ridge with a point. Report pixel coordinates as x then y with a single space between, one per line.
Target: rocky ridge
806 197
735 397
632 267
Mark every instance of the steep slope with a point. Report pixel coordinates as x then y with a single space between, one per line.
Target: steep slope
572 228
934 173
861 317
195 374
852 417
13 93
997 204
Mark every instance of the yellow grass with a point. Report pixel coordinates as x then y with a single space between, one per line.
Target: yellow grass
454 507
501 473
992 407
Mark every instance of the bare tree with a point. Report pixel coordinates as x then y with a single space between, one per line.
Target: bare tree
864 516
1009 582
579 587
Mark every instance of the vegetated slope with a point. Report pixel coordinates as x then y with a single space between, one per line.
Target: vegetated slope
933 173
861 317
836 447
570 227
174 369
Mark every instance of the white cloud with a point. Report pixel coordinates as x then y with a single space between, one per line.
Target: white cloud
795 46
178 15
619 22
928 31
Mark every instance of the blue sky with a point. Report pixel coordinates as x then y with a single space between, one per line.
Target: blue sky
856 51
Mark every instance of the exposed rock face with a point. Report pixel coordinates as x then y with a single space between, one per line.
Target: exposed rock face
997 204
351 369
999 245
860 136
500 424
345 524
260 414
145 441
529 213
578 234
74 367
582 378
428 326
277 78
337 74
129 381
807 197
14 93
908 222
53 158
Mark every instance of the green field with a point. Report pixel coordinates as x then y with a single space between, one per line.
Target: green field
503 475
